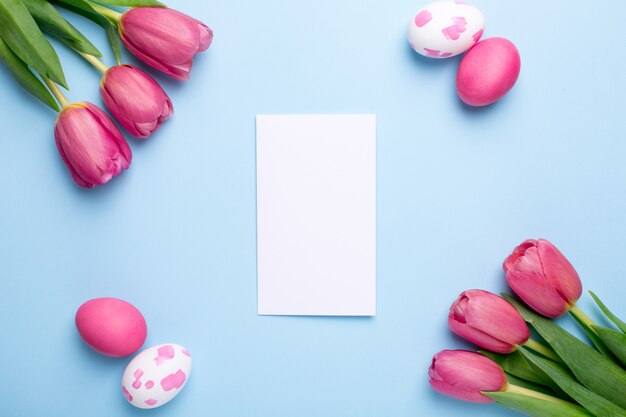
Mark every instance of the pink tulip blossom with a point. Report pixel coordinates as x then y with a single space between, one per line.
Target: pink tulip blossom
90 144
164 38
542 277
464 375
488 321
135 99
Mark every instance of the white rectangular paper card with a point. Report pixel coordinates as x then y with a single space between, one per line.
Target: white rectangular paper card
316 214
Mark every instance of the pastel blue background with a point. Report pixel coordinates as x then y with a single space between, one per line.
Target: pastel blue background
458 189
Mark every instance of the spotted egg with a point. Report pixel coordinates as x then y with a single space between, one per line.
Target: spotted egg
445 28
156 375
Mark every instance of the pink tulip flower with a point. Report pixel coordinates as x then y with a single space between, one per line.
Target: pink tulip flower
164 38
464 375
135 99
488 321
542 277
90 144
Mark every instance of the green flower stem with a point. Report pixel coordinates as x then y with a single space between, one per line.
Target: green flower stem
95 62
105 11
516 389
542 349
57 92
580 315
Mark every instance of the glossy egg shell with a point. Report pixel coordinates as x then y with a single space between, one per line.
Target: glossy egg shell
156 375
488 71
445 28
111 326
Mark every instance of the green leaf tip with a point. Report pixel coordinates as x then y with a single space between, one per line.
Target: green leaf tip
619 323
614 340
20 32
84 9
51 21
25 77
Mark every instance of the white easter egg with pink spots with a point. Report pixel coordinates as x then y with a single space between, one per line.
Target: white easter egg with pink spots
445 28
156 375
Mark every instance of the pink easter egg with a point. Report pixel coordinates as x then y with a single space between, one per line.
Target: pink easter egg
488 71
110 326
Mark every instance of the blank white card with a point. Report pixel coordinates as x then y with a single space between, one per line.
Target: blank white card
316 214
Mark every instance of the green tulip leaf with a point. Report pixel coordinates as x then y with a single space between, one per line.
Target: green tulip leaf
531 385
593 402
131 3
20 32
593 336
84 9
538 407
51 21
614 340
593 369
516 364
620 324
25 77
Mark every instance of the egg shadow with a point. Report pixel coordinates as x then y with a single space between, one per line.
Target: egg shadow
474 110
98 359
436 65
481 112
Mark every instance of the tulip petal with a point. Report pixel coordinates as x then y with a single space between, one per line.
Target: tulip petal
111 104
536 294
145 129
454 392
463 375
206 37
180 72
488 321
75 132
531 272
122 155
135 99
557 267
497 317
172 36
164 38
167 111
75 175
90 144
480 338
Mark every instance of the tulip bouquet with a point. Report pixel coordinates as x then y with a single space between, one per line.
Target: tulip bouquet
90 143
557 376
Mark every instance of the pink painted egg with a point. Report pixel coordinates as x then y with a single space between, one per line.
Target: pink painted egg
488 71
445 28
156 375
110 326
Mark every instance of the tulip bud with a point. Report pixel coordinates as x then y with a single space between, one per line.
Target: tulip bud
542 277
164 38
464 375
488 321
90 144
135 99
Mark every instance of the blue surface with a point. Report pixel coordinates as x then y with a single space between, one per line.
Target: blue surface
458 188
